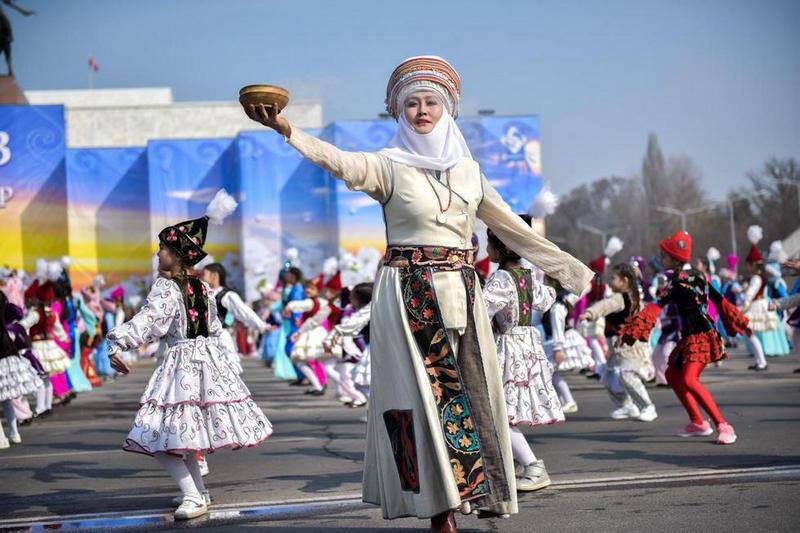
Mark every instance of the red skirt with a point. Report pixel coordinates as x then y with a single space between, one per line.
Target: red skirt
706 347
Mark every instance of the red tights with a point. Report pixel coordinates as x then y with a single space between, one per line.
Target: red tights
685 381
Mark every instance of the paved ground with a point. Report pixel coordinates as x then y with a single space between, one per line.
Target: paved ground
608 476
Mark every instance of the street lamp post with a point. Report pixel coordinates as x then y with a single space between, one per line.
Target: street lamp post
602 233
684 214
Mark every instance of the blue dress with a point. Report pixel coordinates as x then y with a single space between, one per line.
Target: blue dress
75 373
284 369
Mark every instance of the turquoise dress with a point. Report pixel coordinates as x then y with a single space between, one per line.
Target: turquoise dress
284 369
75 375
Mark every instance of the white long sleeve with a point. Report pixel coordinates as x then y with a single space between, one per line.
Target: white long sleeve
558 318
304 306
242 312
752 289
521 238
153 320
499 292
30 319
606 306
361 171
353 324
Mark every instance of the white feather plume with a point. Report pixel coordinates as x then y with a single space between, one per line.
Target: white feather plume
755 234
613 247
777 253
134 300
99 281
713 254
221 206
544 204
292 254
54 270
66 261
330 266
41 269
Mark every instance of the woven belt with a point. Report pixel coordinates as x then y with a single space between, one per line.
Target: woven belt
440 257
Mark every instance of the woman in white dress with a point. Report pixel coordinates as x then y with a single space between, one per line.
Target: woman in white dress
437 437
512 296
194 402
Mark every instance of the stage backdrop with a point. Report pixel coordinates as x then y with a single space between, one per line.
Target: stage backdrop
33 186
184 175
287 202
109 214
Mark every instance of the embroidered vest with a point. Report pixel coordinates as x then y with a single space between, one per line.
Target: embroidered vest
522 282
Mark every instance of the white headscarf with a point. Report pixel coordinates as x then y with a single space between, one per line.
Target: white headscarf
439 149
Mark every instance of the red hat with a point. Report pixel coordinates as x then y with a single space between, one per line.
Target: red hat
599 264
484 266
319 282
335 283
30 292
678 247
46 293
754 256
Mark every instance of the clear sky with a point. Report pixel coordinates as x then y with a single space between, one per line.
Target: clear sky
718 81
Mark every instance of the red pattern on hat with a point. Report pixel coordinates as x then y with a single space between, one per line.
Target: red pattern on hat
46 293
335 283
598 264
679 246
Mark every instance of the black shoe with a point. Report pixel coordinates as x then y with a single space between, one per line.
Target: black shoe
584 371
796 371
758 368
662 385
299 382
314 392
593 375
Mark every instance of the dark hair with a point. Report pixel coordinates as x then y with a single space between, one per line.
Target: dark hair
6 342
219 270
506 255
629 273
362 293
297 273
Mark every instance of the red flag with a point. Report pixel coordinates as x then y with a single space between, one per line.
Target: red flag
93 64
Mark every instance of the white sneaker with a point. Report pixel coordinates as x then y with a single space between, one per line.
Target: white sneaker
16 438
625 412
648 414
571 407
190 509
203 467
177 500
534 477
4 444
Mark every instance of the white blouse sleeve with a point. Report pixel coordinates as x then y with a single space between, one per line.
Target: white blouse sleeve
151 322
542 296
499 292
317 318
30 319
300 306
58 331
353 324
606 306
558 318
521 238
752 289
361 171
242 312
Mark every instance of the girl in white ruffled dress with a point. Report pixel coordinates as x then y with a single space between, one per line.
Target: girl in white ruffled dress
512 295
309 339
195 401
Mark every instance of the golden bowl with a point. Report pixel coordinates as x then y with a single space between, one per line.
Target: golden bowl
269 95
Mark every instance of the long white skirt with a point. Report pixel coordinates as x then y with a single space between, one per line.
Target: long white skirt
53 358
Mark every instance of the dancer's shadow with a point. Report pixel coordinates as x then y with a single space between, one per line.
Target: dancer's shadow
71 470
705 460
321 483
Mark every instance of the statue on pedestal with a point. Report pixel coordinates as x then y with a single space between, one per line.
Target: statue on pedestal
6 35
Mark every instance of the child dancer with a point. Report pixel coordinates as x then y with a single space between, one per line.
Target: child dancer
700 342
512 295
768 336
309 338
17 376
346 343
194 400
565 348
628 366
230 303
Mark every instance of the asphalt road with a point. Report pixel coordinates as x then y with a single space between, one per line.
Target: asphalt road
607 475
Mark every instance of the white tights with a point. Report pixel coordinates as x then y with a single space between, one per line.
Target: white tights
562 388
758 351
186 473
339 373
520 449
598 354
44 397
310 375
11 419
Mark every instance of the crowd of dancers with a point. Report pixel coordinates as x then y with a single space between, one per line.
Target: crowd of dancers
451 356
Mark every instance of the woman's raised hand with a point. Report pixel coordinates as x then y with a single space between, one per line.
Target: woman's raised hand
269 117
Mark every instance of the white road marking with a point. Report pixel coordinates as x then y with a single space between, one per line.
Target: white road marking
263 510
